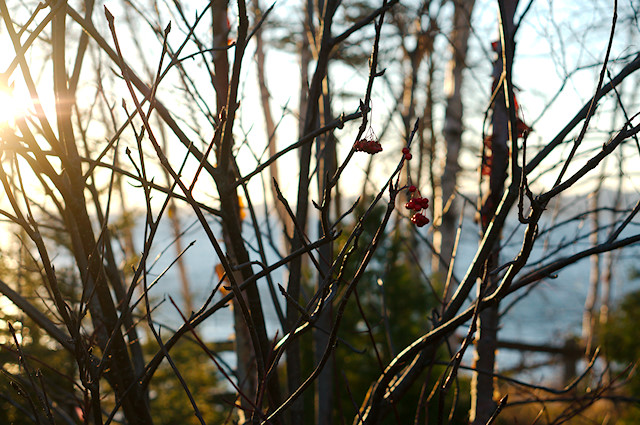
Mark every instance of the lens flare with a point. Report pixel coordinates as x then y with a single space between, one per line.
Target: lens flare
12 105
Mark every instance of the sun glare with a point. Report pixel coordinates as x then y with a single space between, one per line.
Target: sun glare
12 105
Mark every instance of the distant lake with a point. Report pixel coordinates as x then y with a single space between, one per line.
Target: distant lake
551 312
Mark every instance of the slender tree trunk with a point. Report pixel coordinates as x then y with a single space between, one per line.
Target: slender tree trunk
483 404
294 362
428 142
610 257
249 353
283 215
589 316
220 28
324 47
305 61
326 164
445 207
86 250
484 357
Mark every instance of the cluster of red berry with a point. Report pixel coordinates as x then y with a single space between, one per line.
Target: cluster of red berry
407 154
417 204
368 143
370 146
419 219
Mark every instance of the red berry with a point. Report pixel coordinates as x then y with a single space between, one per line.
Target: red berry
408 156
410 205
412 188
369 146
419 219
405 150
373 147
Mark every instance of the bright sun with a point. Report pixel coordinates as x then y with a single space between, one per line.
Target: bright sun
12 105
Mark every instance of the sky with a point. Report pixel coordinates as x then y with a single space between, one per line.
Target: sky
556 38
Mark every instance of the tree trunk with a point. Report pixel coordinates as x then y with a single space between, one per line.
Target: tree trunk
220 28
326 163
590 304
484 356
483 404
324 46
283 215
252 344
87 252
445 208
